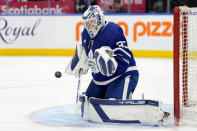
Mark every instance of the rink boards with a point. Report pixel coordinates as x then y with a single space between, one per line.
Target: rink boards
56 35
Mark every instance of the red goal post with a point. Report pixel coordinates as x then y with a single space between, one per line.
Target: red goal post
185 65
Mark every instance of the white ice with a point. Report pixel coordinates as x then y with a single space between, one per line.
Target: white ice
28 85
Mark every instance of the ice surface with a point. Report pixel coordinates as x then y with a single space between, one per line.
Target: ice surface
66 116
28 87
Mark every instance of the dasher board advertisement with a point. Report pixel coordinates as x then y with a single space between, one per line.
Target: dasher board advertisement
143 32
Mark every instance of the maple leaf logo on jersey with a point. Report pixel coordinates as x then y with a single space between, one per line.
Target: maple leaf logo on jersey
92 63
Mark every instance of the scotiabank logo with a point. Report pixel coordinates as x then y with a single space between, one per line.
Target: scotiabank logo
140 29
9 33
34 10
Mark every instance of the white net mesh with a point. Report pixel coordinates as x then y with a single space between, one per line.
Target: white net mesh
188 66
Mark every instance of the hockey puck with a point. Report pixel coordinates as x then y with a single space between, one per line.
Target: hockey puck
58 74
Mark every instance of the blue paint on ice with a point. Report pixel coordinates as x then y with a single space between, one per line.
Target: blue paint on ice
59 116
65 116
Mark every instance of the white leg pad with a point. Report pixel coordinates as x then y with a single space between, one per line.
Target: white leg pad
121 111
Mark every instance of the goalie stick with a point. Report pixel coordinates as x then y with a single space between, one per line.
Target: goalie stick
78 85
78 105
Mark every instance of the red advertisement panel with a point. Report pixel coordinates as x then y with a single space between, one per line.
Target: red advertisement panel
106 5
42 7
136 6
2 4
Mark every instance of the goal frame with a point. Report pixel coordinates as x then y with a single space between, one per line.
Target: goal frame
180 37
176 41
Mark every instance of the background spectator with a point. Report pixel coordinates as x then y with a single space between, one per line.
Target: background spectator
93 2
156 6
80 6
117 7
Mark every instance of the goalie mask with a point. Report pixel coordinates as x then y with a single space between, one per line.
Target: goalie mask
94 20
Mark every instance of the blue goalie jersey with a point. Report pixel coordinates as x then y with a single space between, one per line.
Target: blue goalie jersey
110 35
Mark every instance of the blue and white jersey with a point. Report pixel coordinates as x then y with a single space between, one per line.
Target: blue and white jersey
110 35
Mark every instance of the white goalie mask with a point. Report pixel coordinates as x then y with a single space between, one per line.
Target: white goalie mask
94 20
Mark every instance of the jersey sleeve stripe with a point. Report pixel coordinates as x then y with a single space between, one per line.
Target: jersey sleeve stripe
119 52
122 51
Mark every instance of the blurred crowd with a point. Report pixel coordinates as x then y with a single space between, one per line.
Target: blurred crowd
116 6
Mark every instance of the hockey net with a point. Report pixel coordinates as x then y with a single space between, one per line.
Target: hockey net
185 65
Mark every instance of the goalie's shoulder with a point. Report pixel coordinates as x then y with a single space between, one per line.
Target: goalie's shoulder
85 38
110 33
113 28
85 34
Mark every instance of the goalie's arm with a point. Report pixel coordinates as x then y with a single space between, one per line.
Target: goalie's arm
78 62
123 55
121 51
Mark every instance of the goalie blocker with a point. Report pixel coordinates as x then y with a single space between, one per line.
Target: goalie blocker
121 111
